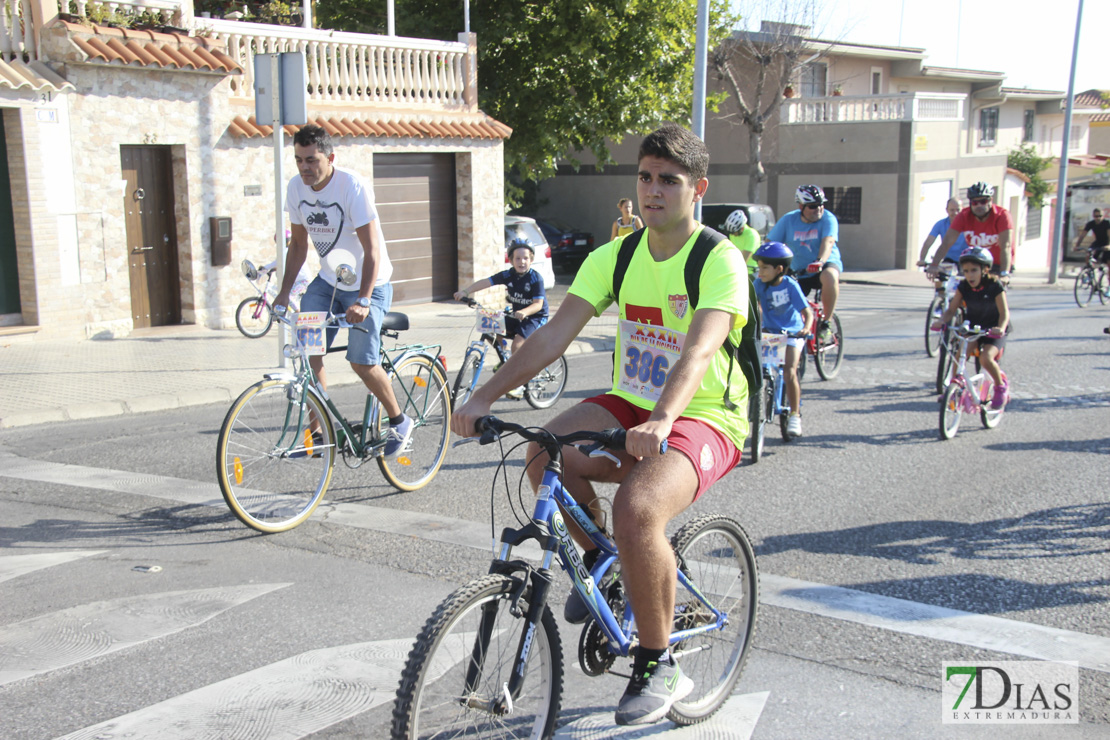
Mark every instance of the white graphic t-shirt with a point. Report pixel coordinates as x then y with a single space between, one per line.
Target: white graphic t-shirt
331 216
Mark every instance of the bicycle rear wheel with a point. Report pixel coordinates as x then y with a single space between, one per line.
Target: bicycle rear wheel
272 470
951 408
946 367
544 390
465 380
421 391
456 674
990 417
932 338
1085 286
714 552
1102 286
253 317
830 354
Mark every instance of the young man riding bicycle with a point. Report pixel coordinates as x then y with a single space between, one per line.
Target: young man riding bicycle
680 397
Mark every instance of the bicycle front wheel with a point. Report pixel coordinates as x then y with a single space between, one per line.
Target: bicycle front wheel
715 554
466 379
1085 286
544 390
1102 286
253 317
757 419
275 455
951 408
830 354
421 390
454 681
932 338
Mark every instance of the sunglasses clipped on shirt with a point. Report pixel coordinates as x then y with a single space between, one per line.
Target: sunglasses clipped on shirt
980 201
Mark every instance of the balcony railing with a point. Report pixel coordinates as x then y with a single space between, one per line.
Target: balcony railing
869 108
353 67
389 71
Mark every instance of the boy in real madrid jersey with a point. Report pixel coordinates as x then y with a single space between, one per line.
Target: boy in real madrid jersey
669 382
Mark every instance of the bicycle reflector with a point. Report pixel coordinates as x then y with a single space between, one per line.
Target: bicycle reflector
238 472
405 460
418 380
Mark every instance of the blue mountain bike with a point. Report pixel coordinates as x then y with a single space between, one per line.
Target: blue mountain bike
772 399
488 663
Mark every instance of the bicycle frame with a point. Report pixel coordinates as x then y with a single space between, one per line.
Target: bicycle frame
962 338
549 528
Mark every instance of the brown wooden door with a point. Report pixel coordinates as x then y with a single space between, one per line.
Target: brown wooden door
415 196
151 235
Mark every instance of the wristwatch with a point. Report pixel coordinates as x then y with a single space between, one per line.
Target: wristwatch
364 302
1004 273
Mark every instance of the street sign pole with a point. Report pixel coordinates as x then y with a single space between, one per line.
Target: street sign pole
1059 237
279 181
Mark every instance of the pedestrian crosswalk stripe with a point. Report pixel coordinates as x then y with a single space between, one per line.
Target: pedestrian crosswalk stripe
70 636
13 566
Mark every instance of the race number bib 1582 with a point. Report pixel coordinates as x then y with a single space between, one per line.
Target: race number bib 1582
311 332
647 355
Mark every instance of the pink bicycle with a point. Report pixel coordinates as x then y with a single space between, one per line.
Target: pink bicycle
966 395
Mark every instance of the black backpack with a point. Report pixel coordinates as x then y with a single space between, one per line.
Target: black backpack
748 355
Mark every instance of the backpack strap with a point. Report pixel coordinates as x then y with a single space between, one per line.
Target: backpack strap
624 259
706 241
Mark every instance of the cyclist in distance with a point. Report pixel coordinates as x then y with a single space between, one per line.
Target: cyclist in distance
784 308
669 383
811 232
983 298
525 292
940 228
1100 229
353 236
743 236
982 224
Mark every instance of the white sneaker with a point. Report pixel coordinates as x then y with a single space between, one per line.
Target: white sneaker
794 426
516 393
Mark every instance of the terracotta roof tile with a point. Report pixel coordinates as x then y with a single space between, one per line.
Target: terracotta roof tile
17 74
486 128
103 44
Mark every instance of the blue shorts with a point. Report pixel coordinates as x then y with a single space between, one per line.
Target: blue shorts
523 327
363 348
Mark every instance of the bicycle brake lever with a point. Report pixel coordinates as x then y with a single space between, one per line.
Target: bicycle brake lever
464 441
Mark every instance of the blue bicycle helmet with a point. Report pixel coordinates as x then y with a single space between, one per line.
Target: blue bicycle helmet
774 253
516 244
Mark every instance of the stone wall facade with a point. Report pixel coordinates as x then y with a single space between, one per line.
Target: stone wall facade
71 233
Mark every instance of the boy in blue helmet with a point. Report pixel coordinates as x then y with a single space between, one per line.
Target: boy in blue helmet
784 308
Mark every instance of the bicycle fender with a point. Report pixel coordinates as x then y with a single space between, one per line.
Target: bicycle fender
288 377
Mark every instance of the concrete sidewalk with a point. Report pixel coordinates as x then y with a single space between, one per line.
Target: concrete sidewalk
171 367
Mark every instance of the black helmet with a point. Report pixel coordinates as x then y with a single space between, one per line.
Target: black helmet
516 244
980 190
978 255
810 195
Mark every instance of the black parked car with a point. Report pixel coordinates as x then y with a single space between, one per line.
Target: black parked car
568 246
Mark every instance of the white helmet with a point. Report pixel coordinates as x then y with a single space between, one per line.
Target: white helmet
810 195
736 221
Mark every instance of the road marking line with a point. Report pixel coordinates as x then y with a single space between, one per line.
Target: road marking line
70 636
13 566
966 628
735 720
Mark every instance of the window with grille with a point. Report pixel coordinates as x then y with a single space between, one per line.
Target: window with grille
1027 125
845 203
1032 223
813 80
988 126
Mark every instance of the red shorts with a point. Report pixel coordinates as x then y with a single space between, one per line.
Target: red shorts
711 452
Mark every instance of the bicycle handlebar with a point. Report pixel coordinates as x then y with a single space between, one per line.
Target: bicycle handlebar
490 428
475 304
282 314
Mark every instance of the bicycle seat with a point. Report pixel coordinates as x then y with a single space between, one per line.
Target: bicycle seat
395 321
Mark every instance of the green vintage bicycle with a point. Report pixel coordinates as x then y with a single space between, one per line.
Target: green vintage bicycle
279 441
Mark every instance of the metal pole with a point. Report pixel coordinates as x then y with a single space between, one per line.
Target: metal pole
391 29
700 59
279 193
466 16
306 14
1062 182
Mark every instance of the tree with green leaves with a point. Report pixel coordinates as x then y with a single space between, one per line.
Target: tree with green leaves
567 75
1025 160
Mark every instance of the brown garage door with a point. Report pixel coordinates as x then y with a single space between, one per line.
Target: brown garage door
415 194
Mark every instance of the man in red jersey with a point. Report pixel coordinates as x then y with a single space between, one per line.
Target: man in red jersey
983 224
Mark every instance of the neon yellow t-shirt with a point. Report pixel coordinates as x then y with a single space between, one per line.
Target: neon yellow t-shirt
748 240
654 293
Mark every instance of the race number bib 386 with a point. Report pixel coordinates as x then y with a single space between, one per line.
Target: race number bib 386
310 331
648 353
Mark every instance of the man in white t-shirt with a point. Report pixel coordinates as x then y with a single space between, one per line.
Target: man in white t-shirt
335 208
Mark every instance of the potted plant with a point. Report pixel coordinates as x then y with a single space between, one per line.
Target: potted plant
788 92
837 91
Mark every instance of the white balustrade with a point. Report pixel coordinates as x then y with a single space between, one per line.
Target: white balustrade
16 37
170 11
352 67
866 108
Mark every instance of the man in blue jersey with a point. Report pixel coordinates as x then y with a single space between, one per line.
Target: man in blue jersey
811 232
940 228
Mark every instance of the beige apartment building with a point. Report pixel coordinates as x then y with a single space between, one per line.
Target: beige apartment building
119 147
887 136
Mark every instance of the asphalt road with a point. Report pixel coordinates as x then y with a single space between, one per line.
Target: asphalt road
884 552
